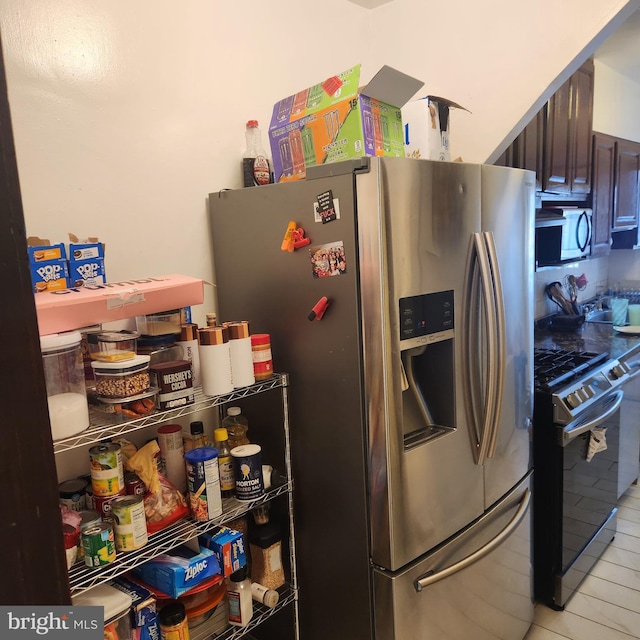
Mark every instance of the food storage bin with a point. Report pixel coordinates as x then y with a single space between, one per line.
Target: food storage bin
125 409
64 380
117 609
158 324
112 346
160 348
122 379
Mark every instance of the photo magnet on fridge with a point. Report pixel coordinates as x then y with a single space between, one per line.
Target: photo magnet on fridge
328 260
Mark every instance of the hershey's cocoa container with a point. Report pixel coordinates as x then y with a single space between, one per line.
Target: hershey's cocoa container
175 383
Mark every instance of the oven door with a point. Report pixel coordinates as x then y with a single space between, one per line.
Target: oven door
589 491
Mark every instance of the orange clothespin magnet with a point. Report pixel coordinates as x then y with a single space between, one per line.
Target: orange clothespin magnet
288 240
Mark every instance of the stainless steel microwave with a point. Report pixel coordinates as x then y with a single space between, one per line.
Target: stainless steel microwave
562 234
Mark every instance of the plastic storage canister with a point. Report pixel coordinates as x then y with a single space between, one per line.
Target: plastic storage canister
188 342
173 621
241 354
172 452
237 426
159 348
122 379
117 609
64 379
112 346
266 555
240 600
215 361
261 355
203 481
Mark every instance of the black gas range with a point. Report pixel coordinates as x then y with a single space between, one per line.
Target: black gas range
577 399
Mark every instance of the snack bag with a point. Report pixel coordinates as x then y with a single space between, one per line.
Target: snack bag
163 503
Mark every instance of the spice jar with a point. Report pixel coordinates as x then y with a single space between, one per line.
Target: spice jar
261 355
173 621
266 555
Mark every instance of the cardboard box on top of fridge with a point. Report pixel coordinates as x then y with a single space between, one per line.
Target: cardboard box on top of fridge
86 261
78 307
426 127
337 119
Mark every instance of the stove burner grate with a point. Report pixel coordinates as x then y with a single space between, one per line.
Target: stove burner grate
553 368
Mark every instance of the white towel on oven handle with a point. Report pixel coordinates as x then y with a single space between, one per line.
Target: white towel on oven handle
597 442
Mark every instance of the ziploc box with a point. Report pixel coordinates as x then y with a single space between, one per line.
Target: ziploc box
178 572
143 609
336 120
228 546
426 127
49 271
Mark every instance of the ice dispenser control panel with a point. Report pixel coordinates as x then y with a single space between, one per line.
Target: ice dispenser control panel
426 314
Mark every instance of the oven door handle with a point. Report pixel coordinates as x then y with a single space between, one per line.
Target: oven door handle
611 405
430 578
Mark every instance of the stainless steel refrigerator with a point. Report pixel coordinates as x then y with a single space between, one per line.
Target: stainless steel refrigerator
411 388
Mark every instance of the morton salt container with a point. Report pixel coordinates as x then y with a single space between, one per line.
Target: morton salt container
64 379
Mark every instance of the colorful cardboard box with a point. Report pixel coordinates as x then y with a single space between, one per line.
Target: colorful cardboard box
177 572
86 264
78 307
426 127
48 262
336 120
228 547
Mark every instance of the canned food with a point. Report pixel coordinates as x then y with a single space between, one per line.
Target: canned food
98 545
129 523
102 504
72 493
203 482
133 485
87 519
247 460
107 472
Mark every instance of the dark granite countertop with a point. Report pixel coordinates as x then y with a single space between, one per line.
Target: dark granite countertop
591 336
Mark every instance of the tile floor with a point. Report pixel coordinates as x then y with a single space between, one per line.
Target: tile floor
607 604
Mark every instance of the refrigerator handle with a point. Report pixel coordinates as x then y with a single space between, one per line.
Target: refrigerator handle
498 364
431 578
480 283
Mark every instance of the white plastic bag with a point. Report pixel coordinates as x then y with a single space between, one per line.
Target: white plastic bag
597 442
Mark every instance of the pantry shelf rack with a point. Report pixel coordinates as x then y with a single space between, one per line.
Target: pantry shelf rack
82 578
104 426
260 614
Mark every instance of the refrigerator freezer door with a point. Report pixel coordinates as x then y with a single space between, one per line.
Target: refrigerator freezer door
508 216
489 599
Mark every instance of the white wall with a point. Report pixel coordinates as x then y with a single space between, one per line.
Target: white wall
127 114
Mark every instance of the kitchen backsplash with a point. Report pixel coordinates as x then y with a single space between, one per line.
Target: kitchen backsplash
596 271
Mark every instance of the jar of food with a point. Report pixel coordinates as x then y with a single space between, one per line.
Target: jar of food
159 348
122 379
64 380
112 346
261 355
173 621
158 324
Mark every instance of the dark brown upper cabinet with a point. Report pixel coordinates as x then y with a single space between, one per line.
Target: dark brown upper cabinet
567 162
604 155
626 192
557 143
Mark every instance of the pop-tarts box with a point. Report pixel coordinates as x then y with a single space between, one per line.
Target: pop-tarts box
228 546
426 127
86 264
336 120
178 572
49 269
144 615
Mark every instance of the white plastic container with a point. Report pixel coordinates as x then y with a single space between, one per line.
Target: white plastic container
215 361
241 354
117 608
122 379
64 379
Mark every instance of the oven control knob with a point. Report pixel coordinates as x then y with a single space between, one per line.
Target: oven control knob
618 371
588 389
582 394
573 400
